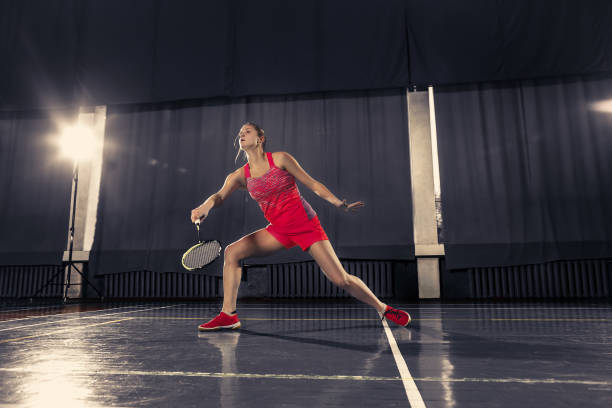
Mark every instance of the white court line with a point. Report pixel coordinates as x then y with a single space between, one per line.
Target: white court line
67 313
441 308
246 307
69 329
98 373
286 308
412 392
30 308
84 317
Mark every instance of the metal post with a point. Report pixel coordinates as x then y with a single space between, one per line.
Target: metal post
75 186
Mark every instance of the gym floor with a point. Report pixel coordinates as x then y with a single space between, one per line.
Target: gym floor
307 354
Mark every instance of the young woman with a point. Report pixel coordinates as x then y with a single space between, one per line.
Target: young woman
270 180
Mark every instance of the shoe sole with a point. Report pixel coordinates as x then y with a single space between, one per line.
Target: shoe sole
401 325
230 327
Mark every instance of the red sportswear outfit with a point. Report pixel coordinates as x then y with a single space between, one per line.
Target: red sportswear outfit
292 222
292 219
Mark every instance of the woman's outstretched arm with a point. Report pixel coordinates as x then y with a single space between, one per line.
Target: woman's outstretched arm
289 164
233 182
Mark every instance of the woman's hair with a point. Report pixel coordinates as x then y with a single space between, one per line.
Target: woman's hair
260 133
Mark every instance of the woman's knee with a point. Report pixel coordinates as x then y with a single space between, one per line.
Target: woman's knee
343 281
232 253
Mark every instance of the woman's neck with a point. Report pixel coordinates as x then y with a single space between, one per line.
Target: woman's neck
257 158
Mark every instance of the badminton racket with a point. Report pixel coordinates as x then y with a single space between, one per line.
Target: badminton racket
201 254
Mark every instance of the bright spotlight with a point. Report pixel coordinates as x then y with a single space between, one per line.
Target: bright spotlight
603 106
77 142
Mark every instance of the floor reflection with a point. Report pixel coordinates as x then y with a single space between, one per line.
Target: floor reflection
226 343
50 381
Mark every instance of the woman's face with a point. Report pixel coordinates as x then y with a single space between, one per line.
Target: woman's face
248 137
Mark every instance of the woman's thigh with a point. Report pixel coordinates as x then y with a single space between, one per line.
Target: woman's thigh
258 243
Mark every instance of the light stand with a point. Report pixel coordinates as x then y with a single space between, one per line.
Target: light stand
70 265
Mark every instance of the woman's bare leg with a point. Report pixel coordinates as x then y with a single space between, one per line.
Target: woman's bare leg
258 243
325 256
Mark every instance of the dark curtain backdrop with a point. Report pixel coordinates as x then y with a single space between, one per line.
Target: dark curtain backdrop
92 52
38 54
35 185
161 161
525 171
486 40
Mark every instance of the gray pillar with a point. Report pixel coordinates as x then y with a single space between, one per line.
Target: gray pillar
87 199
425 191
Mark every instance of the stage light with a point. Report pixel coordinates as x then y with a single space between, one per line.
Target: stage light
77 142
603 106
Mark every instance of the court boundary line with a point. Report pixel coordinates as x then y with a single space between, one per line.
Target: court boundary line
414 307
31 308
82 317
412 392
68 329
61 314
313 376
368 319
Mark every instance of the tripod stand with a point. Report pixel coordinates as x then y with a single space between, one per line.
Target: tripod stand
67 267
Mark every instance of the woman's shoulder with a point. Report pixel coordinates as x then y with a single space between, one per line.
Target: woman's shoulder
279 158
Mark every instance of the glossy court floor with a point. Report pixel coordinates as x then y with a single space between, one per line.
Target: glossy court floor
296 354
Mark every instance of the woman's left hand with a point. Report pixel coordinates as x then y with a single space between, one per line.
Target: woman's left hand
353 206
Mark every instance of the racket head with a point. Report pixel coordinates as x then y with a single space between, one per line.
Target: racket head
201 254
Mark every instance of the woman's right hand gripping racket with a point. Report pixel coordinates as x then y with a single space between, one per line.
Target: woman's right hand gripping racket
201 254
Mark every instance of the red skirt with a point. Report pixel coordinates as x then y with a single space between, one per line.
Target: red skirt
305 234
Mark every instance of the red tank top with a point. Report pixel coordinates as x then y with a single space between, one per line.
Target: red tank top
278 196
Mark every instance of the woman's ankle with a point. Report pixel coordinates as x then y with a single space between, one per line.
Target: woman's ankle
229 311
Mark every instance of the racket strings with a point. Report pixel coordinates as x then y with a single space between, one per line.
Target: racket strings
202 255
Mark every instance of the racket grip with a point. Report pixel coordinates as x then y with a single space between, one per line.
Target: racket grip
197 224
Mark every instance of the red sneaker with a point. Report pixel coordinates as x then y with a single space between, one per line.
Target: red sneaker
222 321
397 316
